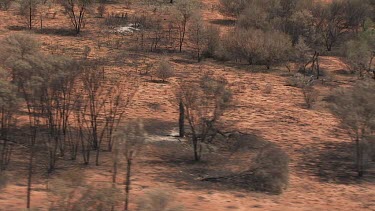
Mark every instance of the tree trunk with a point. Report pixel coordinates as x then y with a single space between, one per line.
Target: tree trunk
359 158
181 121
114 178
30 172
30 15
197 156
127 183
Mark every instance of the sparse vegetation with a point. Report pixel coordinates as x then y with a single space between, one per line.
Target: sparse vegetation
196 75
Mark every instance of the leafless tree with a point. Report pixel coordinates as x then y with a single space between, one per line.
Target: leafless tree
28 10
76 10
198 35
184 9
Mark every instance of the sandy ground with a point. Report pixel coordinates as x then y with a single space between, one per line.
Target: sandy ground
310 137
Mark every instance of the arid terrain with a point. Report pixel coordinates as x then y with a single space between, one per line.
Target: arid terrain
321 175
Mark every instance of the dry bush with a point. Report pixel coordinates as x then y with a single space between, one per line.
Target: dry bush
164 70
270 170
268 88
214 46
298 80
101 10
310 95
3 180
258 47
71 192
5 4
158 200
115 20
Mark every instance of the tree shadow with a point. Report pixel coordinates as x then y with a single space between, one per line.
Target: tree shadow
185 173
17 28
223 22
57 31
332 162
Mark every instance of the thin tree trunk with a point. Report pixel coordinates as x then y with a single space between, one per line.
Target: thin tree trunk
127 183
195 146
181 121
359 158
30 169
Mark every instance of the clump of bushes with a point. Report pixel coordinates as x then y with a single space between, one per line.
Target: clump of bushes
270 170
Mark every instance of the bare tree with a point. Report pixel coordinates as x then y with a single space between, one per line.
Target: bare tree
198 34
76 10
28 11
184 9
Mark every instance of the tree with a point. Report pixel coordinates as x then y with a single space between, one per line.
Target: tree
131 139
204 104
302 55
28 11
198 34
214 45
76 10
184 9
355 109
9 104
359 53
22 56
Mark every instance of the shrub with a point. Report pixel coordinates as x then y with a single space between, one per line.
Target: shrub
164 70
158 200
310 95
5 4
259 47
213 42
101 10
270 170
298 80
3 180
268 88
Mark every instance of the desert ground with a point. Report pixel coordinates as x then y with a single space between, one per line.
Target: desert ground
321 176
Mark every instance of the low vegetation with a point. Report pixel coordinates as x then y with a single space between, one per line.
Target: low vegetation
77 97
